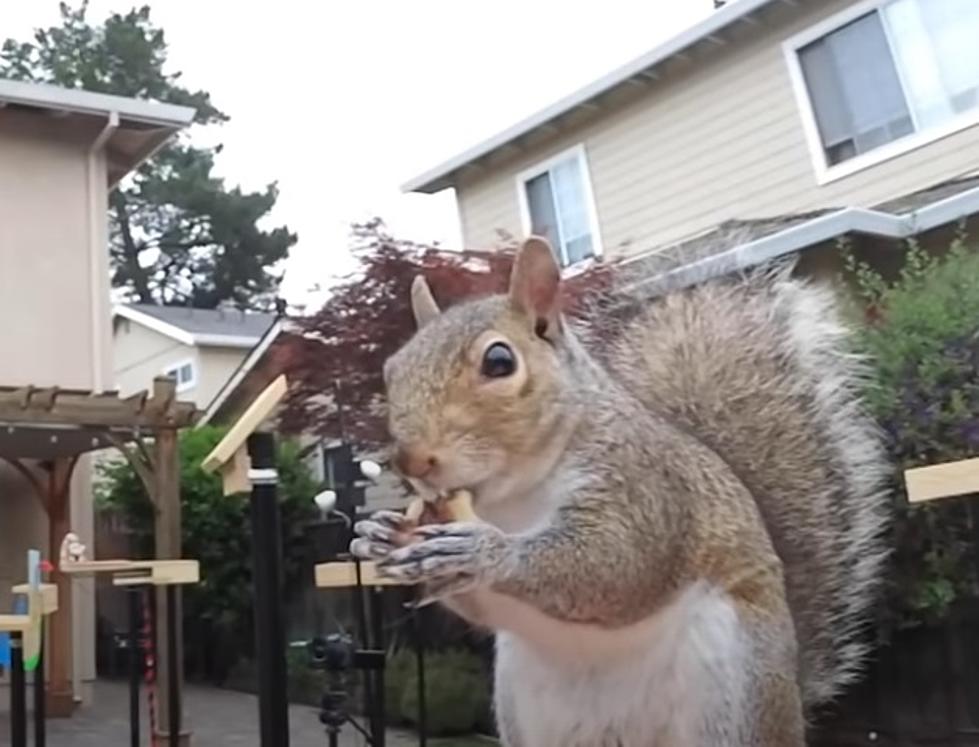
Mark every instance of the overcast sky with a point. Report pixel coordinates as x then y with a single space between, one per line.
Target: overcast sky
342 102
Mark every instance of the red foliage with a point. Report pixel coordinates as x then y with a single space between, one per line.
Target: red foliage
339 355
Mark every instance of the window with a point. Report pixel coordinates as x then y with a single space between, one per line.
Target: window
183 374
896 73
556 202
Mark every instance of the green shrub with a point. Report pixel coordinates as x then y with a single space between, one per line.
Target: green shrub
456 690
922 337
216 531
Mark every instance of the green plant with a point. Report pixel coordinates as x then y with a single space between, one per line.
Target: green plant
216 532
456 690
922 339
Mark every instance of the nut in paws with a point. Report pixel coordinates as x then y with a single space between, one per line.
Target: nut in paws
449 556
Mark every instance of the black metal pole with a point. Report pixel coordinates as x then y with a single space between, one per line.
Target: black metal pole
18 696
173 667
377 714
420 660
360 610
40 733
134 594
270 639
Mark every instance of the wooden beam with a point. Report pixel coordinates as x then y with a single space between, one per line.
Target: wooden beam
60 654
91 411
942 480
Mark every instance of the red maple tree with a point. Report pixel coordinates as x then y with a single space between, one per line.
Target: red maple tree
335 358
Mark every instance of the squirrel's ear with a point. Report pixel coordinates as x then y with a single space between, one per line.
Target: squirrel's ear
535 285
423 304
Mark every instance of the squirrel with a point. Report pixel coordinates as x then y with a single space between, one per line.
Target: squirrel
677 546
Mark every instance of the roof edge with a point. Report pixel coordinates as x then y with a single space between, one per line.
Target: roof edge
832 225
436 179
47 96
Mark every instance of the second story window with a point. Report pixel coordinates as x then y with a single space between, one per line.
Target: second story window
556 202
898 70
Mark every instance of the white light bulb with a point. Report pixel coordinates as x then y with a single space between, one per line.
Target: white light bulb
370 470
326 501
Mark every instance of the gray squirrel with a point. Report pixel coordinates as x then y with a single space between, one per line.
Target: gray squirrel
678 546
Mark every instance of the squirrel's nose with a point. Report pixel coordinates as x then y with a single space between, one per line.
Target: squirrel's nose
413 461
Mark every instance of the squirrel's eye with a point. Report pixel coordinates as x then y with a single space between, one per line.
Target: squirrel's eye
498 361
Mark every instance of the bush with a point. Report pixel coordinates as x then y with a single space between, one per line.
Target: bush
922 337
456 691
216 531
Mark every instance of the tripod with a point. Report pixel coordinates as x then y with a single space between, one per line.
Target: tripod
336 655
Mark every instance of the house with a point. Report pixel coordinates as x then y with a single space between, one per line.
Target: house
200 348
770 127
61 152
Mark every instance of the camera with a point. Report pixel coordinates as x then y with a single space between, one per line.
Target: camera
334 653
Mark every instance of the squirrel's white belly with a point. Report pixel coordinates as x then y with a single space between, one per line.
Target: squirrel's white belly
651 685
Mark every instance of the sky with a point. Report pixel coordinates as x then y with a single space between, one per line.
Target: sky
341 102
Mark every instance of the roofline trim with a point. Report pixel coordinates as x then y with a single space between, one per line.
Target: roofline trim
719 19
74 100
830 226
151 322
201 339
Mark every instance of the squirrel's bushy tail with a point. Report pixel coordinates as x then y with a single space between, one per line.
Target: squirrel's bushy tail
759 368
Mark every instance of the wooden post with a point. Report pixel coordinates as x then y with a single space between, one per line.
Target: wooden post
60 652
168 547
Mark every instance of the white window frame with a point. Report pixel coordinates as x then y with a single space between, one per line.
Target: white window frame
576 151
825 172
170 368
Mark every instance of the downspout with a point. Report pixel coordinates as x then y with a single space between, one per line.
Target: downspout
96 283
96 249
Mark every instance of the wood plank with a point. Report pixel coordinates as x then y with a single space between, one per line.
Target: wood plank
14 623
49 596
343 574
942 480
154 572
96 412
258 411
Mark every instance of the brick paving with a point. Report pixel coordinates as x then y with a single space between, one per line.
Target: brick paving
217 718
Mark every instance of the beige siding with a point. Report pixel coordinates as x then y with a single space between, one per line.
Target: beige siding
217 366
55 305
142 354
716 139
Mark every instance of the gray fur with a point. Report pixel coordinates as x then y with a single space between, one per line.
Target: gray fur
758 368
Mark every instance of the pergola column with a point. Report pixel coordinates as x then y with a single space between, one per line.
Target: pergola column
60 653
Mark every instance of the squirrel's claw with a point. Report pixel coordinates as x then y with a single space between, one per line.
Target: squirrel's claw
446 554
379 535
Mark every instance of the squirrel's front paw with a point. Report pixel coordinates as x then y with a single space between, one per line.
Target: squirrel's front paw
449 557
380 535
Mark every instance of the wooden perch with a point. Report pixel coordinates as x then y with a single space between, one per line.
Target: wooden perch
946 480
72 562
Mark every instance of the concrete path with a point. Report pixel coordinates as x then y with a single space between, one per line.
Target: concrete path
218 718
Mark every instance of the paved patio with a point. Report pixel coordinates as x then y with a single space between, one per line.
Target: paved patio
218 718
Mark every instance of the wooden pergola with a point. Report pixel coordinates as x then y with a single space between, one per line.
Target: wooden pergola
43 432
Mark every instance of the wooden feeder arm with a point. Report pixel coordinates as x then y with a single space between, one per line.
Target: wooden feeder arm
946 480
45 598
